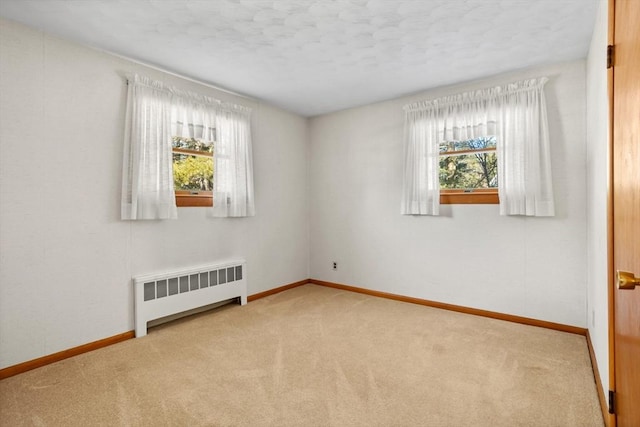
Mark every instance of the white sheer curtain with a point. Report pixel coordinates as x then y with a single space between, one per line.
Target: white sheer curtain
193 116
147 184
524 158
156 113
515 114
421 184
233 168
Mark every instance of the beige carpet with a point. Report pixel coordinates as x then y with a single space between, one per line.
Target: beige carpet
314 356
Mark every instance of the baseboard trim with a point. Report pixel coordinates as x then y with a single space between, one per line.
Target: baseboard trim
64 354
604 406
277 290
458 308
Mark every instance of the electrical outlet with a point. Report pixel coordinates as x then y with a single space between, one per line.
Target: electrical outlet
335 265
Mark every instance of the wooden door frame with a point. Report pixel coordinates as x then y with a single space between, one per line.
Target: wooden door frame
611 421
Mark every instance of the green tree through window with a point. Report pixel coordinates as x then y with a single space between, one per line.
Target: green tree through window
469 164
192 164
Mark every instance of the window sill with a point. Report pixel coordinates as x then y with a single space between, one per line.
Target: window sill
477 197
189 199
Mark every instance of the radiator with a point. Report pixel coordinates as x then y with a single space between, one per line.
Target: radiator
161 295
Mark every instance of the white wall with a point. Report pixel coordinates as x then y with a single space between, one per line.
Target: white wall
471 256
597 172
66 259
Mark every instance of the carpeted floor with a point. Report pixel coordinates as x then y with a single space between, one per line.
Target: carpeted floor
314 356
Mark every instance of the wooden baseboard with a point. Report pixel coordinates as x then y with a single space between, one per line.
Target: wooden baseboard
64 354
604 406
458 308
276 290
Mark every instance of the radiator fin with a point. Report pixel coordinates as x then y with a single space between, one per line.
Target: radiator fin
181 284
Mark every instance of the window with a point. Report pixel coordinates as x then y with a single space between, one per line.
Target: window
459 171
468 171
209 157
192 171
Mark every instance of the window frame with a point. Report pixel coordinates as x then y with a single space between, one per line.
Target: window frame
192 198
478 196
469 196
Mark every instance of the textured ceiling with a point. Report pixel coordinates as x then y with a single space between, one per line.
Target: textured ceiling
314 57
